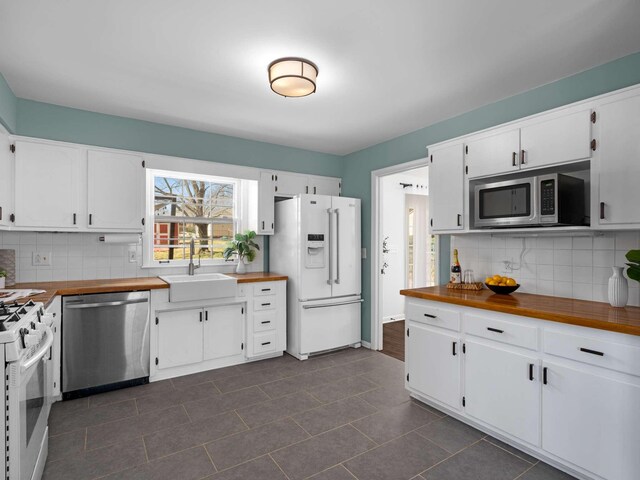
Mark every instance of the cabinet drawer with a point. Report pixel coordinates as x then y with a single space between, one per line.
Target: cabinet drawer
436 316
263 321
264 343
264 303
264 288
501 331
614 356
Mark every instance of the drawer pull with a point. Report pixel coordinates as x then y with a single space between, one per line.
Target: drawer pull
544 375
592 352
454 349
266 290
265 322
266 304
266 343
531 372
491 329
430 316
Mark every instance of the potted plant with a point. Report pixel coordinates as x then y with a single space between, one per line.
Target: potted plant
244 247
3 275
633 272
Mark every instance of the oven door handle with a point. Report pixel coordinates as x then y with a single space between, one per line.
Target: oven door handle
40 353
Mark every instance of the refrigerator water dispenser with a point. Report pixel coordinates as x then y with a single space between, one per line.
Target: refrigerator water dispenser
315 251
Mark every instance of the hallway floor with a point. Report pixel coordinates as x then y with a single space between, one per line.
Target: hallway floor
393 339
341 416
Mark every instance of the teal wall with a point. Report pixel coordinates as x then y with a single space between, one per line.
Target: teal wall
44 120
358 166
8 106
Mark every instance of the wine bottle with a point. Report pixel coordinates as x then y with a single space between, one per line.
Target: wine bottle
456 270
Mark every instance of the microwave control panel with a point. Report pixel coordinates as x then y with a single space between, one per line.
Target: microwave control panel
314 257
548 197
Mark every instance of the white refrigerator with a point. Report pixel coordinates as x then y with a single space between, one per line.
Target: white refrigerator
317 245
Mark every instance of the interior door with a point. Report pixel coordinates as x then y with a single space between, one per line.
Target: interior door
223 331
602 413
115 186
446 188
494 154
433 361
316 258
346 252
46 188
502 388
180 337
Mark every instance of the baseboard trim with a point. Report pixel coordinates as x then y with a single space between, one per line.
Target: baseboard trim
366 344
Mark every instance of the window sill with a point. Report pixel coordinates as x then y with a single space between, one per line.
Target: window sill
184 265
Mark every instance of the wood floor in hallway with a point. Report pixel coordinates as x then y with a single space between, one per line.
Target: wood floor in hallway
393 339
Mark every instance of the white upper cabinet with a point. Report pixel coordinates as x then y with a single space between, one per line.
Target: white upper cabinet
493 154
561 139
446 188
46 186
324 186
266 208
618 153
6 180
115 191
289 184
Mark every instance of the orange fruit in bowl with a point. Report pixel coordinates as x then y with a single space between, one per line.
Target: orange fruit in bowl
511 282
497 278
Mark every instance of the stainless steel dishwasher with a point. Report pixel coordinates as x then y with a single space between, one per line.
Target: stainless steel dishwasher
105 342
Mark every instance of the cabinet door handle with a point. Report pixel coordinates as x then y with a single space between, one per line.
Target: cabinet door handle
522 152
90 218
201 316
513 159
491 329
430 316
263 225
74 218
459 220
454 350
531 372
206 315
544 375
592 352
601 210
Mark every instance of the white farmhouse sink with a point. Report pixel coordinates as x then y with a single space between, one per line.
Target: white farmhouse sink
185 288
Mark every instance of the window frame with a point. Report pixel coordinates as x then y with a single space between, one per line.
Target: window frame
148 238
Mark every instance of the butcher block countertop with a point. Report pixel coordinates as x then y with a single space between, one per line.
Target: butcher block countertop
556 309
80 287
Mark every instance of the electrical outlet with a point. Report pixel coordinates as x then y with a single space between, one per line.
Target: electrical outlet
132 255
41 259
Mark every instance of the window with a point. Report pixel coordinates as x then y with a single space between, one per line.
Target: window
199 208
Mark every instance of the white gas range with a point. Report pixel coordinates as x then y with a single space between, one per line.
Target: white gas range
26 338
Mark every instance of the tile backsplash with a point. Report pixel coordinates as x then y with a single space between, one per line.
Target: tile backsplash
571 266
81 256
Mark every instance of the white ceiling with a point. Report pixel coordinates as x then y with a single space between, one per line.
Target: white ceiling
386 67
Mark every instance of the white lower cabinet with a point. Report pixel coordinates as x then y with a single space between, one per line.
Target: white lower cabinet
427 347
502 389
592 420
571 397
179 338
223 331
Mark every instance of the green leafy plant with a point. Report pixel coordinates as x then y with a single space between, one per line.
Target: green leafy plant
3 273
633 272
243 246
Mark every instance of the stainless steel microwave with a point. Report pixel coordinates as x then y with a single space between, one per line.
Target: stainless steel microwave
544 200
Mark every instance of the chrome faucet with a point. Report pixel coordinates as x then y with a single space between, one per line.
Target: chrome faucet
192 267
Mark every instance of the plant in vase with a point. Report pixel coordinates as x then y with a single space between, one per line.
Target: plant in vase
633 272
244 247
3 276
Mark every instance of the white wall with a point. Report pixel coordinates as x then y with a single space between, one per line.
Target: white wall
392 201
81 256
574 267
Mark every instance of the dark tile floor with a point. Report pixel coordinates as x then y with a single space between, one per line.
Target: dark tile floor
340 416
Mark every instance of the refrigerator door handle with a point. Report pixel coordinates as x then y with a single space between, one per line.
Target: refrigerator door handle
337 211
330 281
307 307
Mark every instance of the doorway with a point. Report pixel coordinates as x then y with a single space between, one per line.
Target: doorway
404 254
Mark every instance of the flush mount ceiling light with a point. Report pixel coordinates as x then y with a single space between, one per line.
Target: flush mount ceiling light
293 77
